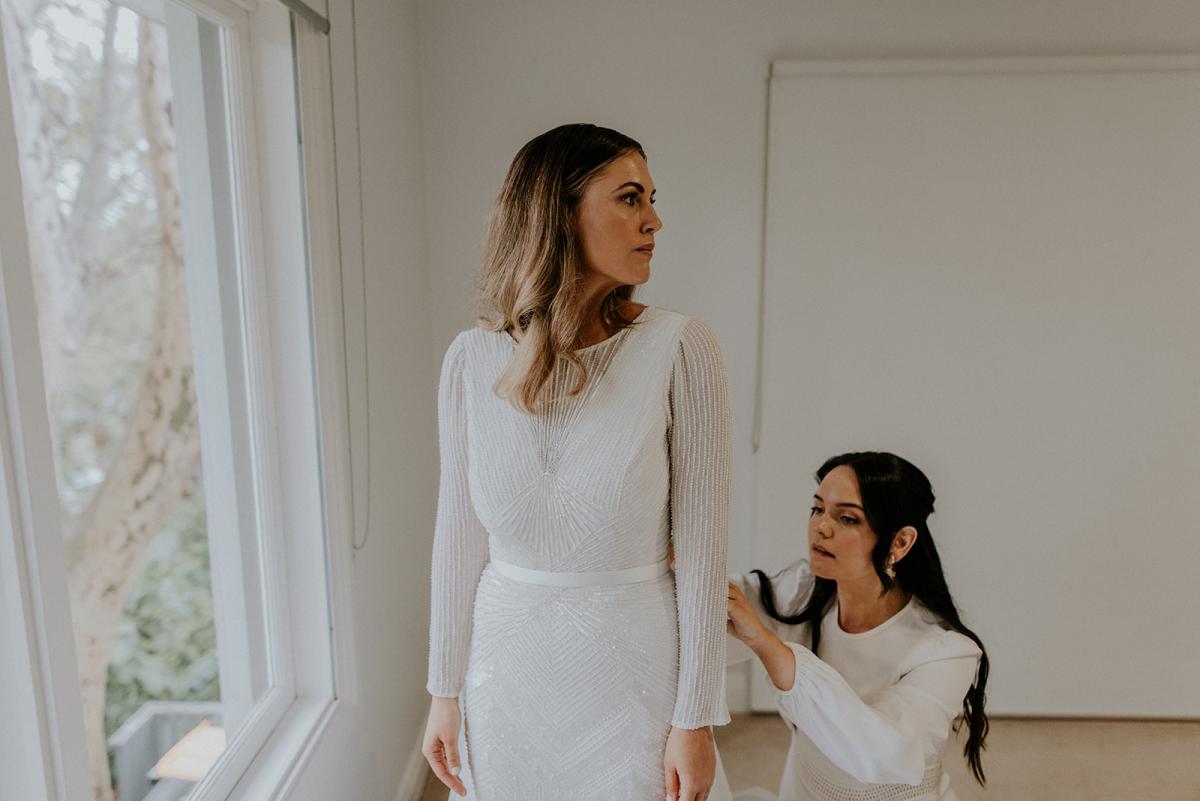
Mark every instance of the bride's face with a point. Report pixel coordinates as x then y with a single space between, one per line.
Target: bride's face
617 222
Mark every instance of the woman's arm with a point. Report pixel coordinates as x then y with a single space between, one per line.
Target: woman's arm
885 740
701 450
460 548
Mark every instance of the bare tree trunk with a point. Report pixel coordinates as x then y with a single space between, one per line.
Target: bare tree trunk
162 447
56 272
94 184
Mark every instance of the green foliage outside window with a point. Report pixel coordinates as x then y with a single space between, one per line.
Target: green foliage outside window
166 644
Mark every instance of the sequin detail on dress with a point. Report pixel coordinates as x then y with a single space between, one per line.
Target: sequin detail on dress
570 692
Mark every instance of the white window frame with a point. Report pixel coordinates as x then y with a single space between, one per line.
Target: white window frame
296 379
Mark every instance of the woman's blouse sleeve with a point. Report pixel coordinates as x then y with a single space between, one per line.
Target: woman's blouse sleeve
791 586
460 547
700 442
886 739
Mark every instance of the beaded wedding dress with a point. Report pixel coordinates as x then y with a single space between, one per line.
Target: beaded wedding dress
571 647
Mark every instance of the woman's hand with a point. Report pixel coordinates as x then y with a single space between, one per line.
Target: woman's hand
774 654
441 742
691 764
743 622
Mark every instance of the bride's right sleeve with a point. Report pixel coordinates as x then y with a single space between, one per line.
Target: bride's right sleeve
460 548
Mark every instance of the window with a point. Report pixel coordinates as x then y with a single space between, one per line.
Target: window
172 519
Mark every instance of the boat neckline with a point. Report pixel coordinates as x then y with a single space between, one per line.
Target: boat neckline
604 341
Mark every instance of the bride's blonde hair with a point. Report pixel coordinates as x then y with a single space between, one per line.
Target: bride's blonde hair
533 266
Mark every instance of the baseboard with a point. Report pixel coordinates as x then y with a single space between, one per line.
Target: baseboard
416 772
737 688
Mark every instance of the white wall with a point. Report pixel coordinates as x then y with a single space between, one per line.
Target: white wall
687 78
449 89
391 573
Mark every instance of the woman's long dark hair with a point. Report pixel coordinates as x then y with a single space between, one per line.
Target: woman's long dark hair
896 494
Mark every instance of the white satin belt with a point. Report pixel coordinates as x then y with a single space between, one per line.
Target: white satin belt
594 578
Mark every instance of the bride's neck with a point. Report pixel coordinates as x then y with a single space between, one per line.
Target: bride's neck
594 328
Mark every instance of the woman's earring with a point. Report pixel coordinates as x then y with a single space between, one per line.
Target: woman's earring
891 571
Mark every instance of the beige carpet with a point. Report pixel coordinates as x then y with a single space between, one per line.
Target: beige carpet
1026 760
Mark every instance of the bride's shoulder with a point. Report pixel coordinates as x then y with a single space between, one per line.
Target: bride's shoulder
682 320
469 346
692 337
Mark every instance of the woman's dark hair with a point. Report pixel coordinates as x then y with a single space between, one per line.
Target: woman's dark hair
895 494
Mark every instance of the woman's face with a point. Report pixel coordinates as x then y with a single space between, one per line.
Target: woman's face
839 539
617 223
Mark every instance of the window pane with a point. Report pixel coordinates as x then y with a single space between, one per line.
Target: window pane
120 341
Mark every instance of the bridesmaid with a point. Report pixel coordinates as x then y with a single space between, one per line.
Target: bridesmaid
863 643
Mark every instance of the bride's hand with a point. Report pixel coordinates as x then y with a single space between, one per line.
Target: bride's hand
691 764
743 622
440 746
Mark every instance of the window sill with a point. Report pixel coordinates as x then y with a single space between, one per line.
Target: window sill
273 773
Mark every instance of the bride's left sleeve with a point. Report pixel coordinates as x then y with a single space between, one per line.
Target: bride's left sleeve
701 448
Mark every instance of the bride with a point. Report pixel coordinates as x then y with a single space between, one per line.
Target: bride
581 436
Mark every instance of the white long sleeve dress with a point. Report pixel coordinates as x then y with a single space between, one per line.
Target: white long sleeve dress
871 715
555 621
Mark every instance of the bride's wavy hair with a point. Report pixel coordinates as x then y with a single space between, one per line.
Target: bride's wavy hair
533 267
895 494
